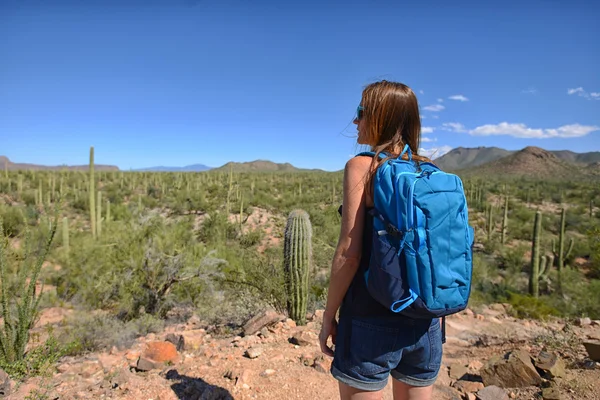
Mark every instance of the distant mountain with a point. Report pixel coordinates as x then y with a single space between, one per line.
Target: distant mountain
261 166
577 158
531 162
187 168
5 162
461 157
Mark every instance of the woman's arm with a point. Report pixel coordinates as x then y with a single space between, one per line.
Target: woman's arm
349 248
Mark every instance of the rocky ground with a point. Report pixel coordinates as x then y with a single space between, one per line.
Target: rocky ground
488 355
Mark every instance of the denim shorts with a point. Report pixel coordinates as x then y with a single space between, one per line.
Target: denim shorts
368 350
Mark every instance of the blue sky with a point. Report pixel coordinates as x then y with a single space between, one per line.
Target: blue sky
191 81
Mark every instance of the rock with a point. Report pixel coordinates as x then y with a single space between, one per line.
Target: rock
475 365
5 386
584 321
253 352
264 332
290 323
322 365
243 378
110 361
267 372
551 393
144 364
492 393
301 338
318 317
160 352
194 339
261 320
177 340
89 368
467 386
551 364
120 379
457 371
593 349
515 370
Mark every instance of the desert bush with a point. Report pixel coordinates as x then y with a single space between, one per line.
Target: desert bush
526 306
40 360
13 220
87 333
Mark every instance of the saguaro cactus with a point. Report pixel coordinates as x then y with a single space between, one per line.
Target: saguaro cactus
534 283
561 255
504 220
92 193
65 234
490 221
297 249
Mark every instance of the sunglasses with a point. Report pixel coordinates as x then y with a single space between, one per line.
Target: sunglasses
359 112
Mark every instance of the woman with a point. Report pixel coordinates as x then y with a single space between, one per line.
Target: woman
371 342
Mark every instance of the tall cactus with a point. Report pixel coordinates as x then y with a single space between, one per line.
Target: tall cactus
561 255
65 234
534 284
297 252
490 222
92 193
99 215
504 220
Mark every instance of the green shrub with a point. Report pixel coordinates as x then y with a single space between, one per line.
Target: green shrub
13 221
18 298
87 333
526 306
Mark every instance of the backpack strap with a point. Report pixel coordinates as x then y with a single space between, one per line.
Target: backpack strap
383 154
443 329
407 151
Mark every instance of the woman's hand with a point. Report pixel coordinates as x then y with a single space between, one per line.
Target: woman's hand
328 328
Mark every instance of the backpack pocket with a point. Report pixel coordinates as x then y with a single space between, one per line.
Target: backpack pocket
386 279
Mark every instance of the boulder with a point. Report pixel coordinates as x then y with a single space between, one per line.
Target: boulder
551 393
457 371
302 338
467 386
514 370
552 365
593 349
492 393
264 318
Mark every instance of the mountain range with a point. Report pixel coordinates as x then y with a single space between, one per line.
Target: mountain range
530 161
5 163
461 158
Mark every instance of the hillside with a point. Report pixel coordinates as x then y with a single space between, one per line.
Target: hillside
462 158
261 166
532 162
578 158
12 166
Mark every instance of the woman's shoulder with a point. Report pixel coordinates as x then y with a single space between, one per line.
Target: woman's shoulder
359 164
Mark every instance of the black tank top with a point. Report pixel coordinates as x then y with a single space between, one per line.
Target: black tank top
358 301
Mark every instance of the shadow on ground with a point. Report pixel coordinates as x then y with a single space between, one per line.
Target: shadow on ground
187 388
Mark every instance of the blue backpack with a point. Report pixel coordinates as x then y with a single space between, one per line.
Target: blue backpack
421 257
